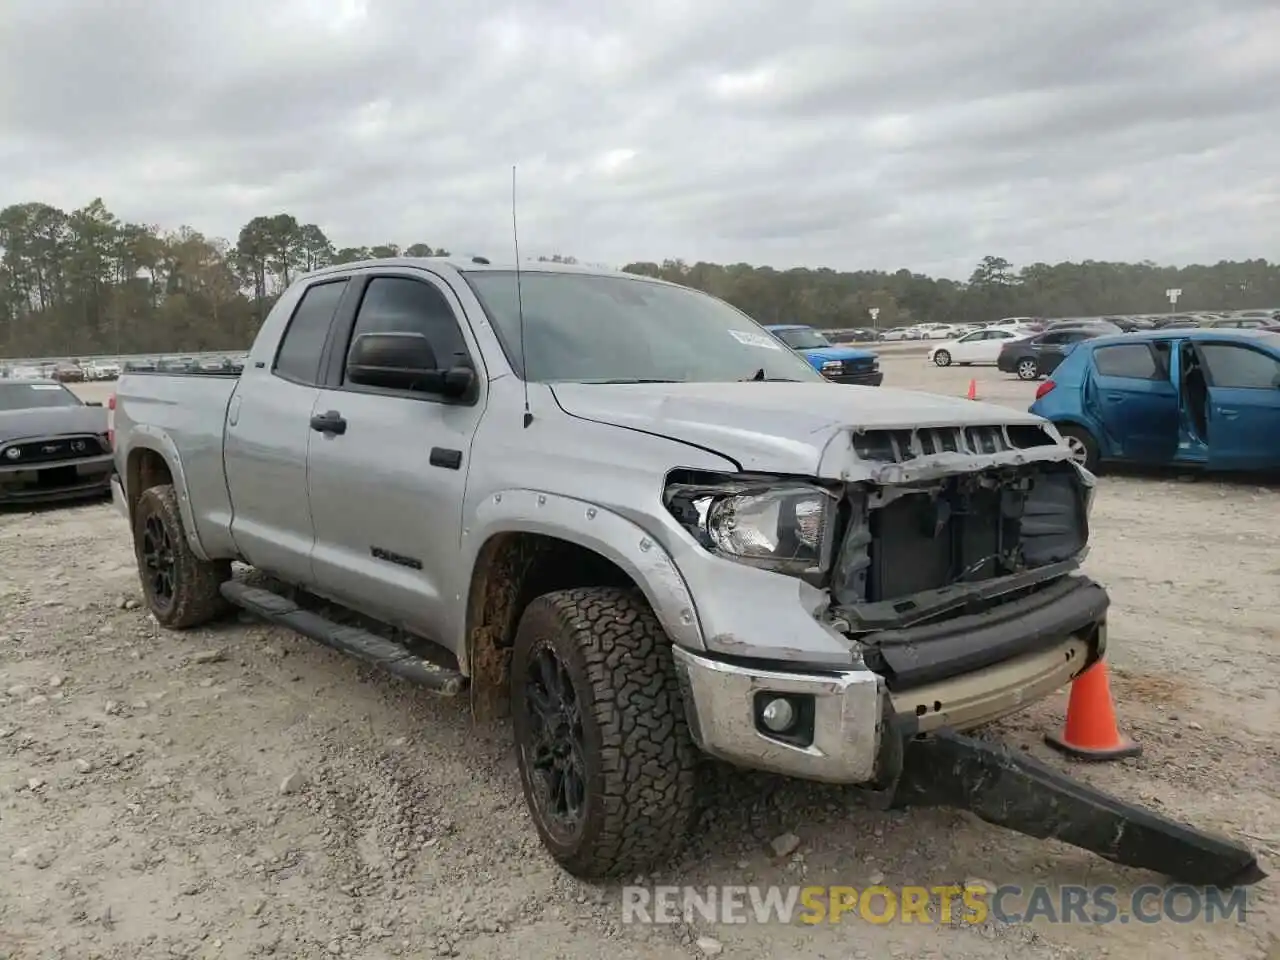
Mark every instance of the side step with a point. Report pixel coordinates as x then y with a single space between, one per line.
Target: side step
358 643
1013 790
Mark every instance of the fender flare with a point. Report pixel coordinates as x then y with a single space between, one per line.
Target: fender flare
595 528
145 437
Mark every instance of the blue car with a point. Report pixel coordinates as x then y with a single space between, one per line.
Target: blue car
837 363
1187 397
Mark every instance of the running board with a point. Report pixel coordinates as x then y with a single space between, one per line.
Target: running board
1010 789
353 641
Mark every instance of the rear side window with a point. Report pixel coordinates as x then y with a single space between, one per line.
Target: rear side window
1240 367
298 358
1131 360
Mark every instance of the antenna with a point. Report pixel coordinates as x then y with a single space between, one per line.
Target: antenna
515 236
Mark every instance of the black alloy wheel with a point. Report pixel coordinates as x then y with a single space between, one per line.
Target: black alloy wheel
556 744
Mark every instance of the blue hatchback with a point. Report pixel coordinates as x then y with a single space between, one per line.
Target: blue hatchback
1197 397
834 361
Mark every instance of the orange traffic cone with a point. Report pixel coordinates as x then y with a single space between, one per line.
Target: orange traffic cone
973 390
1091 732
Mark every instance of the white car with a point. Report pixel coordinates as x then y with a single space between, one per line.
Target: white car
981 346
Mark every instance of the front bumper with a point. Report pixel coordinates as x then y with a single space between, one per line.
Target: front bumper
854 713
67 480
868 378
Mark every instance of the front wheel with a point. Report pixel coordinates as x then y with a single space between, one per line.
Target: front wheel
180 589
1028 369
942 358
605 756
1084 449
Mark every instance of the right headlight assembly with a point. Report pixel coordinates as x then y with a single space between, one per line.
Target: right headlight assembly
771 522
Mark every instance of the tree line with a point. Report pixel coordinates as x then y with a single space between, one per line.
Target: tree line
86 282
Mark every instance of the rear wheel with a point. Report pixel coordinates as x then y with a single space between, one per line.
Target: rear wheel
1084 449
942 358
180 589
605 756
1028 369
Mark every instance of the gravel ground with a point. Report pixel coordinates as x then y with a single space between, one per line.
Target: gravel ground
242 792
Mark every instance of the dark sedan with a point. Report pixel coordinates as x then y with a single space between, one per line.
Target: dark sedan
1038 356
53 445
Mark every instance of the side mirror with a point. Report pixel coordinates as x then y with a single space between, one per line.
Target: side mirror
404 361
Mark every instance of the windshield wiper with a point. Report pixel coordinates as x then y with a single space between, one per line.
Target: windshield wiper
631 380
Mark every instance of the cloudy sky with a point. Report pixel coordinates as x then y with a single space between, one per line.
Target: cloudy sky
847 133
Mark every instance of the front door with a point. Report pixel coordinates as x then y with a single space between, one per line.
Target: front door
1244 406
1133 397
267 434
387 492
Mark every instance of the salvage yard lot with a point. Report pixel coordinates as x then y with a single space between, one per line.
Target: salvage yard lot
240 792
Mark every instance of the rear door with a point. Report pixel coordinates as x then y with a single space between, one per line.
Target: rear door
387 493
266 438
1244 405
1132 396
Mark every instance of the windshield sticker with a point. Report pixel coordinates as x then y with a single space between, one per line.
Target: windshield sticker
45 386
755 339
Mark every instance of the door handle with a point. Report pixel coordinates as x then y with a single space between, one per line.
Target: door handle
331 423
1228 413
1116 397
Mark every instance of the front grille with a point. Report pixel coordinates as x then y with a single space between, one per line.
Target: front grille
899 446
966 529
53 449
858 366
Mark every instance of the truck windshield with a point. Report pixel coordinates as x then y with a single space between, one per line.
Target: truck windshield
30 396
805 338
584 329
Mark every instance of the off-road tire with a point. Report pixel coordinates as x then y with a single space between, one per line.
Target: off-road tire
640 761
1071 432
1028 369
942 358
196 599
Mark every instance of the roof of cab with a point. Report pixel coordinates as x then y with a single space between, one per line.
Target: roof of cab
476 265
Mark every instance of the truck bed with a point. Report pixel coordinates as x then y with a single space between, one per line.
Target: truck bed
183 413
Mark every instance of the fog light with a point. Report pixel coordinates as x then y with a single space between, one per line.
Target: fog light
778 715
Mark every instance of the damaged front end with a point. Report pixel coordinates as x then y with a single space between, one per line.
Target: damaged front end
940 552
948 559
967 560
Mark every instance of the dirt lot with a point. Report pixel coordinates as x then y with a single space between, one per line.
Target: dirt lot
241 792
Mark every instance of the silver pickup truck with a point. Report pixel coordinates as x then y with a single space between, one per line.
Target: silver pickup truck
620 512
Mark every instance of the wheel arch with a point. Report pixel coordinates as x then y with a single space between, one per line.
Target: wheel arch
152 460
535 543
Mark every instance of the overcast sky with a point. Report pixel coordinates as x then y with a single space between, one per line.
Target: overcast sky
849 133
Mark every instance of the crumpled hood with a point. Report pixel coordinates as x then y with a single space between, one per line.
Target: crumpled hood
817 356
771 426
51 422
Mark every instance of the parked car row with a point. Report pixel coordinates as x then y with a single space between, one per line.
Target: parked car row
75 371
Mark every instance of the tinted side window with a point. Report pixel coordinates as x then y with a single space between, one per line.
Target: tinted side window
403 305
299 355
1052 338
1232 366
1132 360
